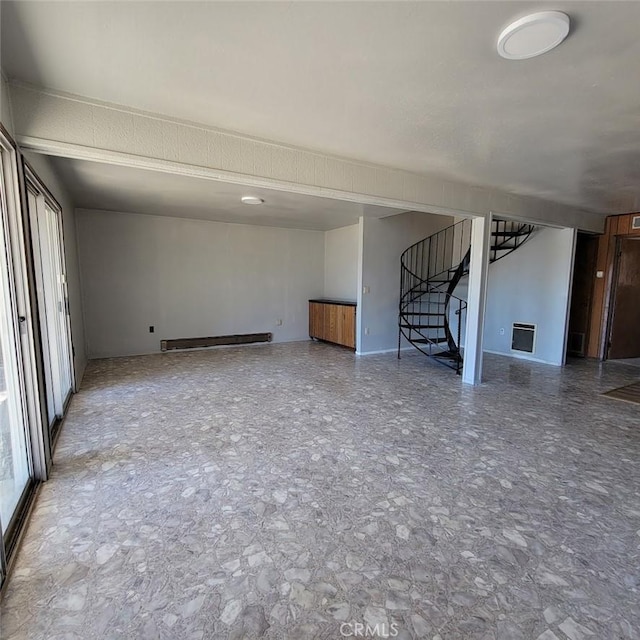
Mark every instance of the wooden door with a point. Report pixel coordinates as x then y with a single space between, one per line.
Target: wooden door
624 336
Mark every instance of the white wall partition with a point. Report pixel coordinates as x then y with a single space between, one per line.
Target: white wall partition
532 286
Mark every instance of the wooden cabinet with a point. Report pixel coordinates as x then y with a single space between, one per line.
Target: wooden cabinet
333 321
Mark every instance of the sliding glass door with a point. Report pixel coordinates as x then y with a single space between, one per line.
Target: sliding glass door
16 464
46 229
59 300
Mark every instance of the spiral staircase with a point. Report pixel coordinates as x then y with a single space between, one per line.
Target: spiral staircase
431 311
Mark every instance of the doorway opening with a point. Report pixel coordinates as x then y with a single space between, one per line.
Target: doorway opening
584 270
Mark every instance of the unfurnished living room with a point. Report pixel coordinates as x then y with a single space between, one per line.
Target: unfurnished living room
320 320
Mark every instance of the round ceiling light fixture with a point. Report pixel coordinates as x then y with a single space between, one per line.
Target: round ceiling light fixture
251 200
533 35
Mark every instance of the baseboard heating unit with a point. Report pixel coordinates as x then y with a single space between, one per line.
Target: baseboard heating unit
214 341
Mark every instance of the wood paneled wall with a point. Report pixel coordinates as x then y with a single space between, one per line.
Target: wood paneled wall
615 226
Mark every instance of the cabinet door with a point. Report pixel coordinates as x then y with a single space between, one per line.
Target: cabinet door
316 319
332 319
348 334
340 324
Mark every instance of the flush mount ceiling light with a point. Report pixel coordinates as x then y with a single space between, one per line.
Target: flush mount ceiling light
533 35
251 200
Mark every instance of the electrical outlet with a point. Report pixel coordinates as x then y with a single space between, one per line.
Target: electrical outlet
501 331
366 331
152 329
279 322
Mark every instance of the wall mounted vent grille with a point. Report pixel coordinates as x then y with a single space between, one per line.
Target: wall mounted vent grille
523 337
635 222
215 341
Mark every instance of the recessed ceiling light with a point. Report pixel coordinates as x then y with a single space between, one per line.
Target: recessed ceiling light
533 35
251 200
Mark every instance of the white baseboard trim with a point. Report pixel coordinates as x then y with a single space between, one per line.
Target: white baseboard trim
381 351
521 356
517 356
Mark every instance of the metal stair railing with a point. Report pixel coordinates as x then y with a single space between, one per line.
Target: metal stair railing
430 272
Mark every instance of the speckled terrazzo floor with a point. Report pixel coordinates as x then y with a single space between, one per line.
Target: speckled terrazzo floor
294 491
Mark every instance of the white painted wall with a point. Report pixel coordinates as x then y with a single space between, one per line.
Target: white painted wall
530 285
42 166
192 278
5 106
341 263
383 241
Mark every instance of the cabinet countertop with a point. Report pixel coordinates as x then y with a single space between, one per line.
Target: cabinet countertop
346 303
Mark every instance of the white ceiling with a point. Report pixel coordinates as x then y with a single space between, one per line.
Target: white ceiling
115 188
414 85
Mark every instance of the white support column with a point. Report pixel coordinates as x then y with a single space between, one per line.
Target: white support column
476 298
568 286
359 298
